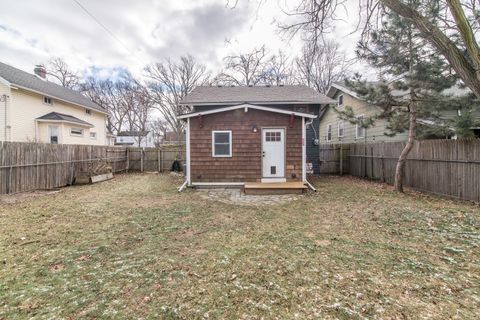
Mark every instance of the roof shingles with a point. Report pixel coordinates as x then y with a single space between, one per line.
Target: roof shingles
205 95
31 82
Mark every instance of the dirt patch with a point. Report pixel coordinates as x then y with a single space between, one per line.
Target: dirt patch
237 197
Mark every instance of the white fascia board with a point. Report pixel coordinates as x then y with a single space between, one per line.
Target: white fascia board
298 114
5 82
63 121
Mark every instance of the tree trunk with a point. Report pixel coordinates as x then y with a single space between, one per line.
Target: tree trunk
412 131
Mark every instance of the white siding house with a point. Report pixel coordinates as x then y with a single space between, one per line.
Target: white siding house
35 110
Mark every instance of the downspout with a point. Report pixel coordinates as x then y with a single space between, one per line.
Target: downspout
309 185
4 99
188 181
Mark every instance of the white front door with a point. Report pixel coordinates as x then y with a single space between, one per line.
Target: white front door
273 153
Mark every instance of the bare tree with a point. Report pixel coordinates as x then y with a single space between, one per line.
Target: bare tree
126 100
319 66
244 68
159 130
453 33
170 81
278 70
59 71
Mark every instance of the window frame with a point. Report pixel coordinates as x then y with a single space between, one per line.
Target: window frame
76 134
338 100
229 142
343 128
356 128
94 137
47 103
329 131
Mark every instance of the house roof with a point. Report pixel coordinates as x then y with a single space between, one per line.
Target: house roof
454 91
285 94
246 106
31 82
132 133
60 117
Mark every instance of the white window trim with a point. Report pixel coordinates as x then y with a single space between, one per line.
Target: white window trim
356 129
77 135
47 104
338 128
329 126
338 100
230 143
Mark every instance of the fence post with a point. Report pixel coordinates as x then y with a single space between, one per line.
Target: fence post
128 159
159 160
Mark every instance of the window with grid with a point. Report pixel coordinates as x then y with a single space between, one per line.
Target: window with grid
341 128
222 143
329 132
273 136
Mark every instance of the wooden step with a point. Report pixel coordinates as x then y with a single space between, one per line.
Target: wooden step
292 187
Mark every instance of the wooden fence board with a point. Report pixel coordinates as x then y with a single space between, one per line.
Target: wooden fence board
33 166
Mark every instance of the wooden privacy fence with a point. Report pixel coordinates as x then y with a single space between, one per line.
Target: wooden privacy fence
33 166
334 158
156 159
446 167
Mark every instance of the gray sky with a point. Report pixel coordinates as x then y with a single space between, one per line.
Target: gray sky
145 31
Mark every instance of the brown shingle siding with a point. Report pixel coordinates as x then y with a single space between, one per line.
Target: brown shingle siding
246 162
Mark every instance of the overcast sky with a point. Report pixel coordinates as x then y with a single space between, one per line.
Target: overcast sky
146 31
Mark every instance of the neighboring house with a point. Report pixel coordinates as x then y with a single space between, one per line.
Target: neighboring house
135 139
33 109
250 133
170 137
334 130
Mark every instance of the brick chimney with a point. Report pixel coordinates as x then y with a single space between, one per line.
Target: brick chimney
40 71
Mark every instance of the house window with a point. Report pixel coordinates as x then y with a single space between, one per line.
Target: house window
54 134
88 111
341 128
93 135
340 100
47 100
359 128
273 136
76 132
221 143
329 132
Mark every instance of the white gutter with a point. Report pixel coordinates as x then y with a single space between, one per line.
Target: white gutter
65 121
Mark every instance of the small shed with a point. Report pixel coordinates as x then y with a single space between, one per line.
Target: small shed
257 134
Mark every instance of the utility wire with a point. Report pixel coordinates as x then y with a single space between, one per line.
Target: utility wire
104 27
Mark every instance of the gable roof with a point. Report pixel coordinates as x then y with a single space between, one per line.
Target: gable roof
60 117
246 106
31 82
284 94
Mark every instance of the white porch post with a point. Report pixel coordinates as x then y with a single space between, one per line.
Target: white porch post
304 152
189 180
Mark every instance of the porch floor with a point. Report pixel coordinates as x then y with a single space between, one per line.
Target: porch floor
274 187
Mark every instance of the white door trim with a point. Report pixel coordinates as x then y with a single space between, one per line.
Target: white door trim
284 144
